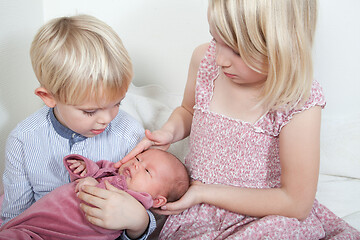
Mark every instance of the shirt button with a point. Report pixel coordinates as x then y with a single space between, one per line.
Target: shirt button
73 135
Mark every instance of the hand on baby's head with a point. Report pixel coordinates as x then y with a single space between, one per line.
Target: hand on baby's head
77 166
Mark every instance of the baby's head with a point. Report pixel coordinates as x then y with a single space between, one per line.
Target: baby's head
158 173
80 58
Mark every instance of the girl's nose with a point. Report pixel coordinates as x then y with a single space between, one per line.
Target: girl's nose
222 57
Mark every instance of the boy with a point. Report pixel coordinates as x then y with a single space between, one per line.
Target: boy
84 72
153 177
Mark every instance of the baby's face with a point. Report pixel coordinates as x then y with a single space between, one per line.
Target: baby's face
148 172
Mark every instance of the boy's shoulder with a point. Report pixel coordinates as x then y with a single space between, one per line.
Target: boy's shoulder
35 121
124 123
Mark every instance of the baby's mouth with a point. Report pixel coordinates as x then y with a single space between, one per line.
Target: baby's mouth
126 172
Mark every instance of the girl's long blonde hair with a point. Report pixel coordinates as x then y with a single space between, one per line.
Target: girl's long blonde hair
273 37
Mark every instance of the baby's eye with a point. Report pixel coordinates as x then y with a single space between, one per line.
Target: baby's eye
118 104
137 159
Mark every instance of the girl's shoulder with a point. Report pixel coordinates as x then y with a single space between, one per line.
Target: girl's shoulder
274 121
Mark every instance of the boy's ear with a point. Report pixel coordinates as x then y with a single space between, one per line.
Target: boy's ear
159 201
46 96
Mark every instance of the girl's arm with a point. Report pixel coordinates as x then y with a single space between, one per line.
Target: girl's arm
179 123
299 157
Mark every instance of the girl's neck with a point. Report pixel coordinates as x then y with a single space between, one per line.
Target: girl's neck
238 101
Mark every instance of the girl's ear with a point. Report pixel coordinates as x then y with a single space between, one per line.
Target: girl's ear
46 96
159 201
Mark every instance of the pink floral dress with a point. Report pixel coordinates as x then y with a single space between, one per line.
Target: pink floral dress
229 151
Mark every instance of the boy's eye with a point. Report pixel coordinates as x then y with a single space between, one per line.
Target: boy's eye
89 113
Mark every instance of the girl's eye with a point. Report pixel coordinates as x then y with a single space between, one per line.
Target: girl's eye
89 113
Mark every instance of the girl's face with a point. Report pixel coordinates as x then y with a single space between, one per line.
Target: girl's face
232 65
88 119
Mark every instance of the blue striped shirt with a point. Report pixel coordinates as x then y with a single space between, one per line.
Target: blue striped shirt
36 147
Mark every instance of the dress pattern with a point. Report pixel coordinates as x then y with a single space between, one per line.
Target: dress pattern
233 152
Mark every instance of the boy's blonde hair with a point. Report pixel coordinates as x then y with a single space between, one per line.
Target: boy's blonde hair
274 38
80 58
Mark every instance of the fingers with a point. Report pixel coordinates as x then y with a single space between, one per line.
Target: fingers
74 163
111 187
166 212
140 147
93 195
91 212
79 169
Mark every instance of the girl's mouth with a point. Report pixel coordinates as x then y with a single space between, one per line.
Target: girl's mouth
229 75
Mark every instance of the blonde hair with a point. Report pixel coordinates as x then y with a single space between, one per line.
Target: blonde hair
80 58
273 37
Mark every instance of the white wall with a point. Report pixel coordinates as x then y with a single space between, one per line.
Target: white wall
19 19
337 65
160 36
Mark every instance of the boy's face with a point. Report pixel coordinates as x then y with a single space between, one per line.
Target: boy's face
88 119
148 172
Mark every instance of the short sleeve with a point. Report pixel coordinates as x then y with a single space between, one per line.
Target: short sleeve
274 121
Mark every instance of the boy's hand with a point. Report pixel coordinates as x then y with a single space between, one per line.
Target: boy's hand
88 181
158 139
114 209
77 167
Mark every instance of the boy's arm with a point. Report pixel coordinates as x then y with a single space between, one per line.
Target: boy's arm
18 193
151 227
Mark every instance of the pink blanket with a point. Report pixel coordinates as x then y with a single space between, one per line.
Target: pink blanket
58 216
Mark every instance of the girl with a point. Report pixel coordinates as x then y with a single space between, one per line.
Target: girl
253 113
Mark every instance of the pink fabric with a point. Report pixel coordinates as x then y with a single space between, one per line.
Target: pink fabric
58 216
229 151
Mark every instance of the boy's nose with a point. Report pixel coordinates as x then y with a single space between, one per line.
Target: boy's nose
105 118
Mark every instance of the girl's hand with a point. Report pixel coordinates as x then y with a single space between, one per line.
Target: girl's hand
88 181
114 209
191 198
160 139
77 166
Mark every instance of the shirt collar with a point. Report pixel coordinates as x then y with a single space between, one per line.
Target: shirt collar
64 131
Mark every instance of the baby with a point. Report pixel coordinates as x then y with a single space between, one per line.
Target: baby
153 177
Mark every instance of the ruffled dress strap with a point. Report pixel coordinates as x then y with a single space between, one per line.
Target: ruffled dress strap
274 121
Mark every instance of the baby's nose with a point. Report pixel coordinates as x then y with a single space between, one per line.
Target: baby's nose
136 165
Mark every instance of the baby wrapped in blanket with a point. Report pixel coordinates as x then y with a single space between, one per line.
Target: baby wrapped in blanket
152 177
